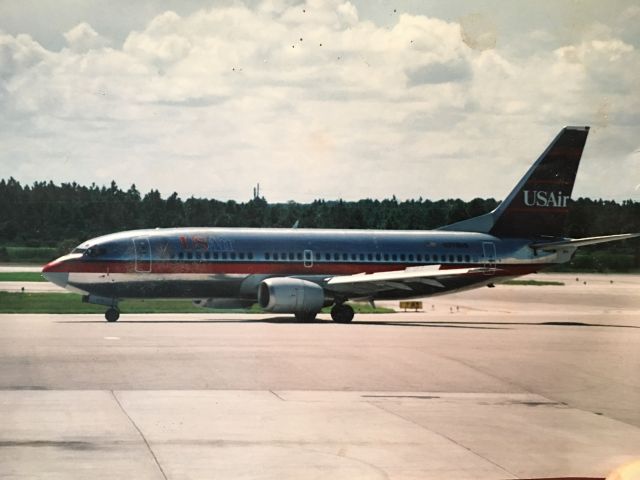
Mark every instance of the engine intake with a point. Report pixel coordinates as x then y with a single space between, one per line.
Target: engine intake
291 295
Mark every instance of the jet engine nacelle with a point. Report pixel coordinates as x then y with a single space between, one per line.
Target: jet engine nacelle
291 295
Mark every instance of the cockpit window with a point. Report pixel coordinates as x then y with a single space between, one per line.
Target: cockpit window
94 251
78 250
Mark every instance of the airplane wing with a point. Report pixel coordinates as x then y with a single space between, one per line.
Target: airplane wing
581 242
418 280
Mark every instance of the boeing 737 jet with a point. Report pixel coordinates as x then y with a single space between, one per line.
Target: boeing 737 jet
300 271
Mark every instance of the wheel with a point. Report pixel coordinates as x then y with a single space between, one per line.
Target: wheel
342 313
112 315
305 317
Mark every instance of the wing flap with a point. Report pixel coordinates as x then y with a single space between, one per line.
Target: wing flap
371 283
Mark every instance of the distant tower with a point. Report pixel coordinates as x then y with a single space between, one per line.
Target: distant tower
256 191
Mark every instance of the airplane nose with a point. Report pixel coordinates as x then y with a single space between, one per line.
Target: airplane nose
54 272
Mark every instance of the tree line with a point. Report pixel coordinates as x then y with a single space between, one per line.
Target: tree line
47 214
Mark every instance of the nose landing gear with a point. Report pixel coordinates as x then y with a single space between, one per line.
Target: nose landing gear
112 315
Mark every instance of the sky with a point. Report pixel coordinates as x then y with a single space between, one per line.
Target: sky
318 99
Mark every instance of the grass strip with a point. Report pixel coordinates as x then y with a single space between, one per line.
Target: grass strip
16 302
21 277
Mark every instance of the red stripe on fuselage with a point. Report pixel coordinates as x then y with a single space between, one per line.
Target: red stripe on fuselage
270 268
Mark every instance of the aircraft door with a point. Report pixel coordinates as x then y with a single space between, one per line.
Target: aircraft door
489 253
308 258
142 250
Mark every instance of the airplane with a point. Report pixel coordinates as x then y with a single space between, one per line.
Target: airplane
300 271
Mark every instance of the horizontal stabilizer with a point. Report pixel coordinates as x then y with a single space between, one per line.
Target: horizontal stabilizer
581 242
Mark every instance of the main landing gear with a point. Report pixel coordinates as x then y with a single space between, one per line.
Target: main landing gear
342 313
112 314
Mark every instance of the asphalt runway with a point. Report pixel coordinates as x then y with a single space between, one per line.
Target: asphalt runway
509 382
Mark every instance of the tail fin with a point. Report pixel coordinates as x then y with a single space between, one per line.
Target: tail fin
537 206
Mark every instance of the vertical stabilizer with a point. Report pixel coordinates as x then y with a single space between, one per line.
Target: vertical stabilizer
538 205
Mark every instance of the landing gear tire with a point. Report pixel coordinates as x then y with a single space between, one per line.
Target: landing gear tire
112 315
305 317
342 313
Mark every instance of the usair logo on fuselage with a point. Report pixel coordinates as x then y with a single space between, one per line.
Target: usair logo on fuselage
541 198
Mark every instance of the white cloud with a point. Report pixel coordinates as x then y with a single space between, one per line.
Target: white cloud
313 100
83 38
18 54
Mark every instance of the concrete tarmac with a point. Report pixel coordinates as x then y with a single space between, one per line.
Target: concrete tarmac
509 382
20 267
31 287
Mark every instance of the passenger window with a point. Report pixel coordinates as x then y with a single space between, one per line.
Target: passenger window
299 255
318 256
394 257
224 255
411 257
419 257
327 256
215 255
275 255
250 255
369 256
386 257
354 257
336 256
181 255
377 257
460 258
291 256
451 258
467 258
207 255
402 257
361 257
345 256
198 255
190 255
267 256
241 255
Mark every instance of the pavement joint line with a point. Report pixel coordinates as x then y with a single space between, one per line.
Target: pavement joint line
277 396
510 382
513 475
144 439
